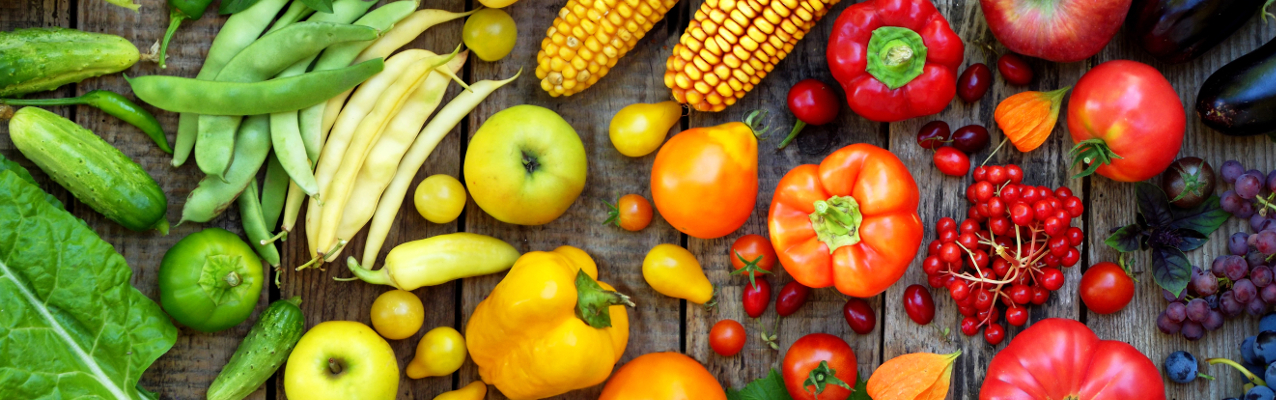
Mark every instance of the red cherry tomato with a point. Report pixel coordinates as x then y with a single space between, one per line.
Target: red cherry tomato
812 360
1106 288
757 297
859 315
812 102
951 162
919 305
752 256
933 135
974 82
1014 69
727 337
791 298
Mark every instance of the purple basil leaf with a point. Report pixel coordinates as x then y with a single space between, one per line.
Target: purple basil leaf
1171 269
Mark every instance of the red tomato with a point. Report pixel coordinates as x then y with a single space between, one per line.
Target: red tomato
1014 69
1127 109
757 297
1062 359
752 255
814 102
791 298
822 359
859 315
1106 288
951 162
727 337
918 304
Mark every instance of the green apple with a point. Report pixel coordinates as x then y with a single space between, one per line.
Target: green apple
525 165
342 360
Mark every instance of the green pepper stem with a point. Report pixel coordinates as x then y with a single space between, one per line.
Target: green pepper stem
593 303
792 134
836 221
378 277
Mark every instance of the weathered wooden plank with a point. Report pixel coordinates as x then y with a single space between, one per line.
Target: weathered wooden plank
944 196
328 300
823 312
1112 205
635 78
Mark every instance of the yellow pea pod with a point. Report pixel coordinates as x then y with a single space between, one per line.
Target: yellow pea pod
474 391
673 271
440 352
438 260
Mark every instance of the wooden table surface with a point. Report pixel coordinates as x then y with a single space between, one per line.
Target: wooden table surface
661 323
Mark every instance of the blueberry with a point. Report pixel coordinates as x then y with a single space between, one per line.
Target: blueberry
1257 370
1265 346
1260 393
1180 367
1268 323
1247 351
1269 374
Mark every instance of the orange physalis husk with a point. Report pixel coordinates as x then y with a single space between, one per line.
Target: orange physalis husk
1027 118
917 376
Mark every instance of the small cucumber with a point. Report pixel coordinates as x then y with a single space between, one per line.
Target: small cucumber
262 352
96 173
40 59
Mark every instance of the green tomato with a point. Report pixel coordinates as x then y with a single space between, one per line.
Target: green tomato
490 33
210 280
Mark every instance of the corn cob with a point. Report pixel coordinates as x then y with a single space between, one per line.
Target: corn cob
587 38
732 44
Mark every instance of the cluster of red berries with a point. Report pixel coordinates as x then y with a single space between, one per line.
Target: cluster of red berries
1008 250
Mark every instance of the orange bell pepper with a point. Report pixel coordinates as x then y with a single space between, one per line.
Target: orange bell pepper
850 222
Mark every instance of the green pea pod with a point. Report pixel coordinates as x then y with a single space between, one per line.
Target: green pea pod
262 60
111 103
239 31
295 12
180 10
273 192
213 195
255 225
215 98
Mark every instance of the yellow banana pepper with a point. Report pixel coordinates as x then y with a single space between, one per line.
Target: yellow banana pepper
438 260
549 327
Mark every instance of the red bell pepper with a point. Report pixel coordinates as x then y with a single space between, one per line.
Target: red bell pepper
896 59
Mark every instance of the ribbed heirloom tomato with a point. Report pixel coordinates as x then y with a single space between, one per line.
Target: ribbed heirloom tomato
705 180
1127 121
849 222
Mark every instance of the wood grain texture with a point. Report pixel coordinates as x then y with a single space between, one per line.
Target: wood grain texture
636 78
1112 205
823 311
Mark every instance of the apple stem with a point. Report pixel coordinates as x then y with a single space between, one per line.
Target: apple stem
334 367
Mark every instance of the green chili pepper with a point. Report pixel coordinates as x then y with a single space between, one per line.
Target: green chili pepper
111 103
180 10
239 31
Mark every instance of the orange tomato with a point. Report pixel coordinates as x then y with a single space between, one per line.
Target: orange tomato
705 180
860 202
663 376
632 213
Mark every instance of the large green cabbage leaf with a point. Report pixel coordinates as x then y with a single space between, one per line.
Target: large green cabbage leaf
71 325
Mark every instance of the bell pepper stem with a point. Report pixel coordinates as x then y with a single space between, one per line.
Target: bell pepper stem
593 303
836 221
378 277
896 56
793 134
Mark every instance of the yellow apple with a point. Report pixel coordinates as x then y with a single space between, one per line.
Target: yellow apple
342 360
525 165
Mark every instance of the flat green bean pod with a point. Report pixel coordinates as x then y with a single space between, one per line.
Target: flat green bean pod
274 190
255 226
210 98
214 195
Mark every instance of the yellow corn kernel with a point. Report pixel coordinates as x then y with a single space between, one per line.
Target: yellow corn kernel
589 36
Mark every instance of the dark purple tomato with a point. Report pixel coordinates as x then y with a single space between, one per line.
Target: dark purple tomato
1014 69
919 305
971 139
859 315
933 135
791 298
1188 182
974 82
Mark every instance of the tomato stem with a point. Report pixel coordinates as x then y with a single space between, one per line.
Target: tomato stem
792 134
820 377
1091 153
756 121
751 268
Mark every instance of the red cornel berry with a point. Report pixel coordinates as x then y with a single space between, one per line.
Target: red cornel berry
1007 253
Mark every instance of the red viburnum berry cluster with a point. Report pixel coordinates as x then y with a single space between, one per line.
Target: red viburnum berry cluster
1008 250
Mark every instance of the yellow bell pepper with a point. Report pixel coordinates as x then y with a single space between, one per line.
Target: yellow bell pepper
549 327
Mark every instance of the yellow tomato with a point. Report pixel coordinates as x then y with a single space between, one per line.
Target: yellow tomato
439 198
639 129
441 352
397 314
496 3
490 33
673 271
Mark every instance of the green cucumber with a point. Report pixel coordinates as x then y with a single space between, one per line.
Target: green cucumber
262 352
40 59
92 170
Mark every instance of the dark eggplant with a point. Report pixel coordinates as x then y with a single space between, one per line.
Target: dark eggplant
1240 98
1175 31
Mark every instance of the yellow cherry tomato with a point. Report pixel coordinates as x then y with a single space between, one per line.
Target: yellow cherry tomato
474 391
497 3
490 33
639 129
441 352
439 198
673 271
397 314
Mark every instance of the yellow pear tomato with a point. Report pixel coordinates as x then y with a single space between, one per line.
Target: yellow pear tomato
474 391
439 198
441 352
397 314
639 129
673 271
